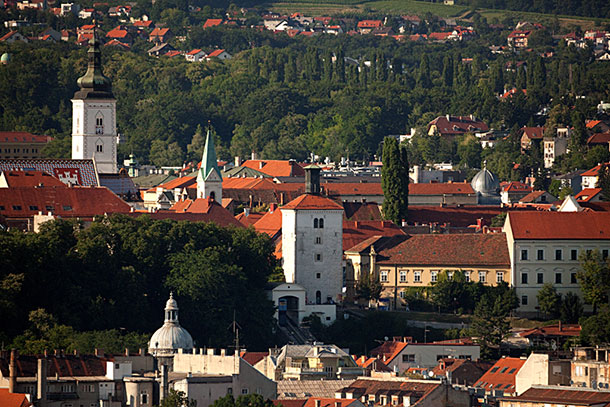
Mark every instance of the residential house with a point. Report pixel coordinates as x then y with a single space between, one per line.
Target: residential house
451 126
142 25
404 392
542 369
597 126
212 22
557 396
589 195
462 372
590 177
537 197
220 54
501 378
551 337
311 362
8 399
373 367
572 179
50 33
367 26
13 36
530 135
440 36
86 13
276 168
513 191
519 38
599 139
401 354
544 247
160 35
120 34
117 44
196 55
160 49
20 144
591 367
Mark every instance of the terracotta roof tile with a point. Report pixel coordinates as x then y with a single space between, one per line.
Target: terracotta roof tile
30 179
210 210
250 219
212 22
387 351
253 357
458 125
312 202
599 138
328 402
560 225
22 137
579 397
357 232
440 188
587 194
553 330
449 250
533 132
502 375
13 399
456 216
270 223
276 168
67 365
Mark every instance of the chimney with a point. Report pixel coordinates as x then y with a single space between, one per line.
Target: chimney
560 326
312 179
41 382
237 161
99 352
246 212
142 352
272 207
126 351
12 372
261 165
317 402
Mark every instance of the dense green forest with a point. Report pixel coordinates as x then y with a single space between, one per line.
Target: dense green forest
116 275
588 8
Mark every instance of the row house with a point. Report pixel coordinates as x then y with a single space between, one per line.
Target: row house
19 144
544 247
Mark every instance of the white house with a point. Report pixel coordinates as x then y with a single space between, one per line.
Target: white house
196 55
544 248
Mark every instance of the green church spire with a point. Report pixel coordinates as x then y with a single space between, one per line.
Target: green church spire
208 161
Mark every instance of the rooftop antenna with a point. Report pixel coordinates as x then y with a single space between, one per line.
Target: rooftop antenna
235 326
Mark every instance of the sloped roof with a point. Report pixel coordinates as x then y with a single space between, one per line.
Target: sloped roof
328 402
470 249
22 137
298 389
439 35
456 216
312 202
502 375
253 357
553 330
205 206
276 168
592 123
533 133
212 22
215 53
532 196
515 186
587 194
194 52
159 31
593 172
599 138
13 399
30 179
270 223
361 211
452 125
66 365
557 395
83 170
387 351
370 23
251 219
20 202
418 389
356 232
440 188
536 225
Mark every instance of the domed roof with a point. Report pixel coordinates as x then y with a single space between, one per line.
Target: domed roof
171 336
485 182
6 58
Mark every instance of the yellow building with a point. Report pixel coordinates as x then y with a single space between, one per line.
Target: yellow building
20 144
401 262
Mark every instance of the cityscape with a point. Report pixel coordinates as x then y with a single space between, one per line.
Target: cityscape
334 203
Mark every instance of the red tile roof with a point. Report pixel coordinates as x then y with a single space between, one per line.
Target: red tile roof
250 219
253 357
454 125
181 182
519 34
194 52
361 211
312 202
159 31
593 172
515 186
212 22
576 397
599 138
417 389
22 137
270 223
531 197
560 225
449 250
22 202
441 188
117 32
289 403
502 375
276 168
356 232
66 365
587 194
30 179
387 351
370 23
205 206
215 53
455 216
328 402
351 188
439 36
533 133
592 123
142 23
13 399
553 330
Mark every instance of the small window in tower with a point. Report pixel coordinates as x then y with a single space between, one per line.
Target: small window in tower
315 223
321 223
99 125
99 148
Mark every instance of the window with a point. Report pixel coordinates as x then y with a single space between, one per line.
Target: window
230 390
318 257
408 358
540 278
558 254
67 208
33 208
143 398
524 300
439 357
383 276
434 276
523 278
318 275
573 279
540 254
403 276
315 223
88 388
321 223
2 207
99 148
417 276
557 278
318 240
523 254
499 276
482 276
67 388
244 391
117 366
49 208
16 207
573 254
99 125
605 254
467 276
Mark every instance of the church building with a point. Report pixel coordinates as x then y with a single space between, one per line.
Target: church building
94 134
209 179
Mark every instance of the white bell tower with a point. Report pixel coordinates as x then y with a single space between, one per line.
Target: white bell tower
94 134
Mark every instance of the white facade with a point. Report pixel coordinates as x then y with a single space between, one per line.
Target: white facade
312 252
427 355
94 133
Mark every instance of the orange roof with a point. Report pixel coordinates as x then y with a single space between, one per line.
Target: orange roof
212 22
215 53
502 375
599 138
553 330
159 31
13 399
515 186
171 54
312 202
356 232
250 219
194 52
214 211
276 168
455 188
558 396
587 194
370 23
328 402
181 182
533 132
30 179
593 172
439 35
593 123
560 225
387 351
352 188
22 137
142 23
270 223
253 357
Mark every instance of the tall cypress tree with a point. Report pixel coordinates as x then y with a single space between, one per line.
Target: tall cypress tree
395 180
603 181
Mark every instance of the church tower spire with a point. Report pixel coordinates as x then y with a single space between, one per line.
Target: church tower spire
209 178
94 134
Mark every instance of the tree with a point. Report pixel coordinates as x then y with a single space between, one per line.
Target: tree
603 181
594 278
549 300
395 181
571 308
490 321
177 399
369 288
596 329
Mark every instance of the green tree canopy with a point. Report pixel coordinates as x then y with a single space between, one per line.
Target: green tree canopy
395 181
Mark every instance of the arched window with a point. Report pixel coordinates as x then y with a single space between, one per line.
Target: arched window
318 297
99 123
315 223
321 223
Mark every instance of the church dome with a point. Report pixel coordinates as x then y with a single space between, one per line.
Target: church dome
6 58
485 183
171 336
